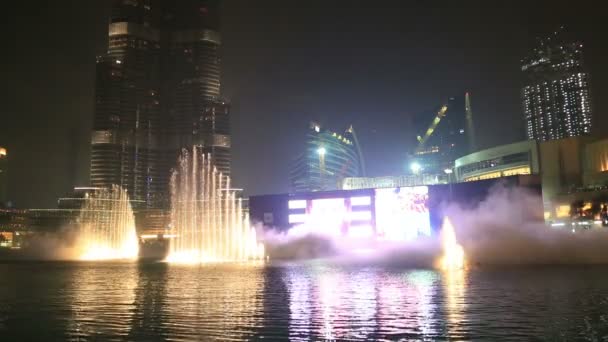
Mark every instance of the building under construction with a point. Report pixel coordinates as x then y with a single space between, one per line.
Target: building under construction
442 137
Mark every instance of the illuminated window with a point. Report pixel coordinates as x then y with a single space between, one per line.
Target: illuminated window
354 201
297 204
360 231
360 216
297 218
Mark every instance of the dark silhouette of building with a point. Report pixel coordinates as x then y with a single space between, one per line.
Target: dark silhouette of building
157 91
3 177
556 95
327 158
443 136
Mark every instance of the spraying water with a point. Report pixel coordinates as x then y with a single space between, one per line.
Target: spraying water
107 226
208 219
453 254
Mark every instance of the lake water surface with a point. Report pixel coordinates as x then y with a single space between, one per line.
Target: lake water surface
48 301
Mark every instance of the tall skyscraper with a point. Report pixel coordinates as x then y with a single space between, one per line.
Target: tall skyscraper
556 95
327 158
157 91
192 72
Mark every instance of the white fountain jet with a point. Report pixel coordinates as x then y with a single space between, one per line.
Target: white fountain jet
208 219
107 226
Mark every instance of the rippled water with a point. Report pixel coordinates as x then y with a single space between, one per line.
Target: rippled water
305 301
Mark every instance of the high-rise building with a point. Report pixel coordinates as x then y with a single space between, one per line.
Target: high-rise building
126 135
327 158
157 91
3 176
556 96
192 72
444 135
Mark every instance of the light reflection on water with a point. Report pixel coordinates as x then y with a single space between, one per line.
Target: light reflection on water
222 307
306 301
359 304
101 301
454 288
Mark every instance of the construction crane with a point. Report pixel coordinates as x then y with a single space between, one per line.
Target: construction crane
423 139
351 130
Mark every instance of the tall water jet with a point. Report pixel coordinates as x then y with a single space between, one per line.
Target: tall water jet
107 226
453 253
207 217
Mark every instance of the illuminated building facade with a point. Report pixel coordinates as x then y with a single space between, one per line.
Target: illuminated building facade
392 213
126 138
3 176
499 161
556 95
157 91
327 159
570 165
443 136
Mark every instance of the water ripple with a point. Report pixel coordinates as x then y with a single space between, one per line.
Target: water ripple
300 302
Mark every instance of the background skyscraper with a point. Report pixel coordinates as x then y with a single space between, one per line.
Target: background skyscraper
157 91
443 135
192 71
327 158
556 95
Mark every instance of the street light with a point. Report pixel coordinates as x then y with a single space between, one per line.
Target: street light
449 173
321 151
415 167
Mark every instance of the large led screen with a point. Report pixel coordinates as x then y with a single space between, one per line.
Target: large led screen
328 216
333 216
402 213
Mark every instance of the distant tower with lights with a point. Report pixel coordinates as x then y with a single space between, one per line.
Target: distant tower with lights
556 95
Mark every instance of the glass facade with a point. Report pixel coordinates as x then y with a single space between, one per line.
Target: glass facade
157 91
327 159
556 96
521 158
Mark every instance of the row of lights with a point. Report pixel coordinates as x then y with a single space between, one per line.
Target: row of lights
416 168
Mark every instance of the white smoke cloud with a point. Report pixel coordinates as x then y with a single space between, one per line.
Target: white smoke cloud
506 228
61 245
306 243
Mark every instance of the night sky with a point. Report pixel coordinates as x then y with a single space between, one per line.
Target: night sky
370 63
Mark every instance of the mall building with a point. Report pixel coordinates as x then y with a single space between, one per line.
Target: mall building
570 169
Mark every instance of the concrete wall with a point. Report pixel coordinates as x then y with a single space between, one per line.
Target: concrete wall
561 163
596 163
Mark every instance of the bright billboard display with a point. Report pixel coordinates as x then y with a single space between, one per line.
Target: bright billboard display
402 213
334 216
396 214
328 215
